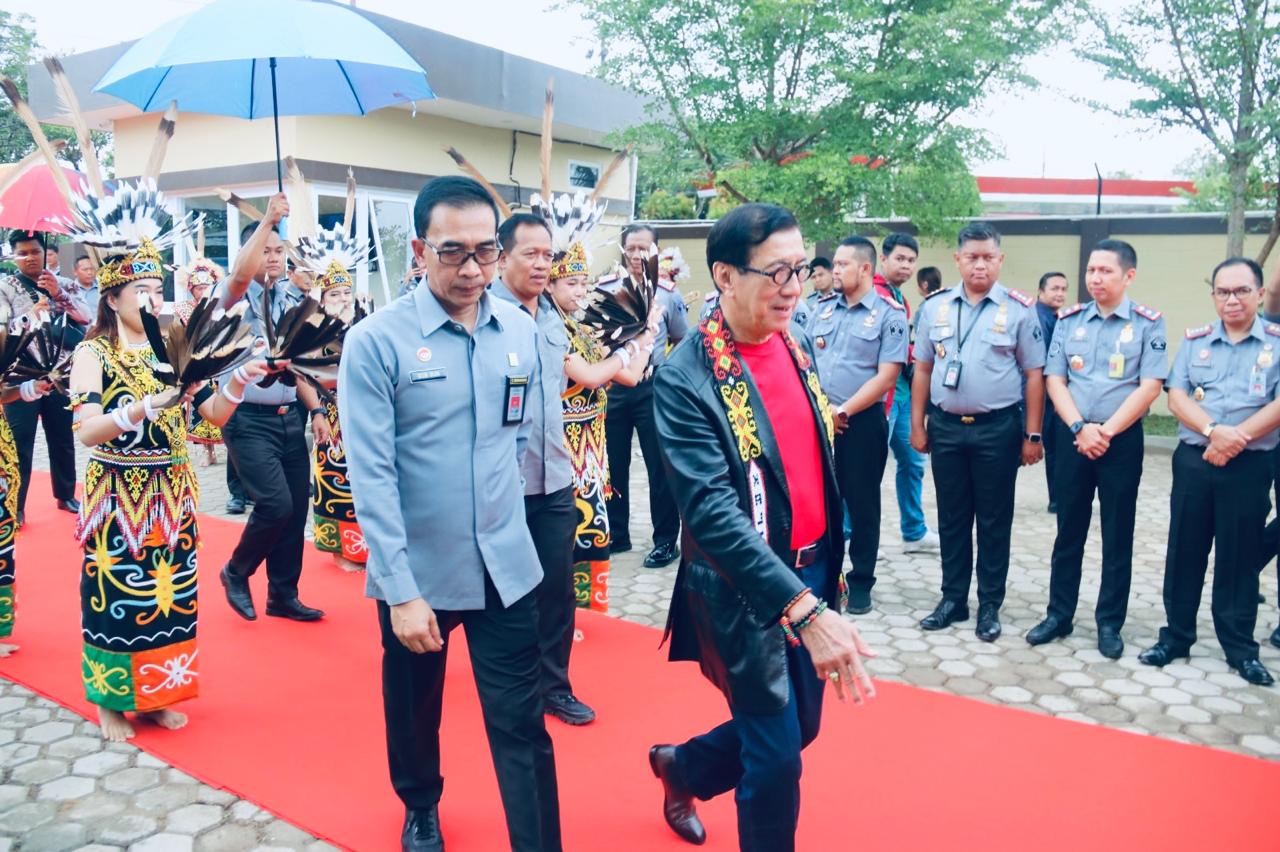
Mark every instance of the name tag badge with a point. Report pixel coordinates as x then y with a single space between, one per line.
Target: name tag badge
1115 366
1257 382
951 378
517 392
427 375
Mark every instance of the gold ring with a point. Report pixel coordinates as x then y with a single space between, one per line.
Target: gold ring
835 676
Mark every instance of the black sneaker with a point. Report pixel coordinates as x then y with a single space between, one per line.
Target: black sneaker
568 709
235 506
859 601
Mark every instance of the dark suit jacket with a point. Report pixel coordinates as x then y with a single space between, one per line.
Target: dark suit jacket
733 584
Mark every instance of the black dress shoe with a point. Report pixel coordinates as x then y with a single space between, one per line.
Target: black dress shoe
235 505
1053 508
677 803
619 546
988 622
293 609
1048 630
859 601
1110 645
1275 635
72 506
238 594
946 614
1253 671
1162 654
568 709
662 555
421 832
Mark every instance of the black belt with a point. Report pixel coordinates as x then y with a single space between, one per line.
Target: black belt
261 408
970 419
809 554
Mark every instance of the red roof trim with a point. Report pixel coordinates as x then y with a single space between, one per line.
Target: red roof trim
1082 186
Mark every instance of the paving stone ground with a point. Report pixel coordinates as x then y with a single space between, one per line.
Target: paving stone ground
62 788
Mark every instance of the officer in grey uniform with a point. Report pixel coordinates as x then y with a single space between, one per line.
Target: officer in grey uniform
1107 363
823 285
1222 389
975 344
860 345
434 416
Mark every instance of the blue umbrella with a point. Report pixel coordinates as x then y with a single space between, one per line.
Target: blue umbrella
254 58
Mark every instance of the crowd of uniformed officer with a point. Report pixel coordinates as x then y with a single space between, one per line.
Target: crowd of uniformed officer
983 370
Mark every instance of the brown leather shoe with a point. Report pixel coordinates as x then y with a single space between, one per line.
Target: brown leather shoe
677 803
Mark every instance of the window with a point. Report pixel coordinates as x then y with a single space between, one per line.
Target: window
583 175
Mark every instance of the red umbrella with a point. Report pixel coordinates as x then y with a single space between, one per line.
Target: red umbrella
33 201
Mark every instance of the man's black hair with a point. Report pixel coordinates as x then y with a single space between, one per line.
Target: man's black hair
453 191
931 278
1124 252
743 228
1238 261
863 248
246 233
507 231
1044 279
19 236
898 238
824 262
635 228
977 232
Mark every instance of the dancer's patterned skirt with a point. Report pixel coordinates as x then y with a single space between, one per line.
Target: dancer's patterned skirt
333 511
9 479
584 436
138 617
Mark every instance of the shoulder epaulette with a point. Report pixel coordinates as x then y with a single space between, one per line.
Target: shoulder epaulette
830 294
1273 329
1021 298
669 286
1063 313
936 293
710 297
1193 333
1145 312
607 279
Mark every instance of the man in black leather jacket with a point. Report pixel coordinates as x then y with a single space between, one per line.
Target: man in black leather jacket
745 433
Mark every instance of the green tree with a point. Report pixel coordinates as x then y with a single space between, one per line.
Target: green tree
18 49
1210 65
834 108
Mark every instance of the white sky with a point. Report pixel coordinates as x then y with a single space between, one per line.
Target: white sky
1042 132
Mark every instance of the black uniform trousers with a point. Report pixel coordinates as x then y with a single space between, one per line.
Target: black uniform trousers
553 520
269 451
975 466
503 644
632 409
1271 536
1049 439
1115 477
861 452
51 410
1224 508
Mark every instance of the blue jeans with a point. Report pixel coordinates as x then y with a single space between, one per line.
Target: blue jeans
758 754
909 481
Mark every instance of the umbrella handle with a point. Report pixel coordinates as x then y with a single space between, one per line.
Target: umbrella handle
275 117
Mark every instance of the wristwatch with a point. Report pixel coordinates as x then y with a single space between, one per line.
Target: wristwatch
1033 437
1076 427
317 410
1208 430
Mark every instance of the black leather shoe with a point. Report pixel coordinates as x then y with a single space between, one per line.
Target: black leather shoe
1253 671
293 609
662 555
568 709
238 594
235 506
988 622
1048 630
1053 508
421 832
946 614
72 506
1162 654
619 546
859 601
1275 636
677 803
1110 645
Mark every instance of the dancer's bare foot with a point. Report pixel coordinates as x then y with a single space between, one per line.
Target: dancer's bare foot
115 727
169 719
211 455
6 650
346 564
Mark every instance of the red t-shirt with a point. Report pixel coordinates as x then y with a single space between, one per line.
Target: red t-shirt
786 404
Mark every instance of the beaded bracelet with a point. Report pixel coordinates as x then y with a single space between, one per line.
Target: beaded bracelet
790 627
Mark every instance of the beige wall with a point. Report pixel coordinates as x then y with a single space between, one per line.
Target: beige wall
392 139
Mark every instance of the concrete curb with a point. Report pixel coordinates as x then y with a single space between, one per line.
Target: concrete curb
1160 444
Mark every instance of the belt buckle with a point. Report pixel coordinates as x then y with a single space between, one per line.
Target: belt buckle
282 410
801 552
967 419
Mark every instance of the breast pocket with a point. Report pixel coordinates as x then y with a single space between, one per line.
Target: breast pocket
1078 354
1205 371
824 334
998 346
863 346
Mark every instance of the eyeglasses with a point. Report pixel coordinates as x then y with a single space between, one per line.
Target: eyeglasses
782 274
486 255
1240 294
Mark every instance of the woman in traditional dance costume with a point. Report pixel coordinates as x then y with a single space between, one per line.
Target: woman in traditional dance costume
10 478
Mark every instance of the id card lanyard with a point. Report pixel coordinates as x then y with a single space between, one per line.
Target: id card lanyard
951 377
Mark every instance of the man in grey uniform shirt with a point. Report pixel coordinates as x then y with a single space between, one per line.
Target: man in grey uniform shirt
433 409
550 510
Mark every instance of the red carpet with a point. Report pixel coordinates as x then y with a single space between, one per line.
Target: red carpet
290 717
